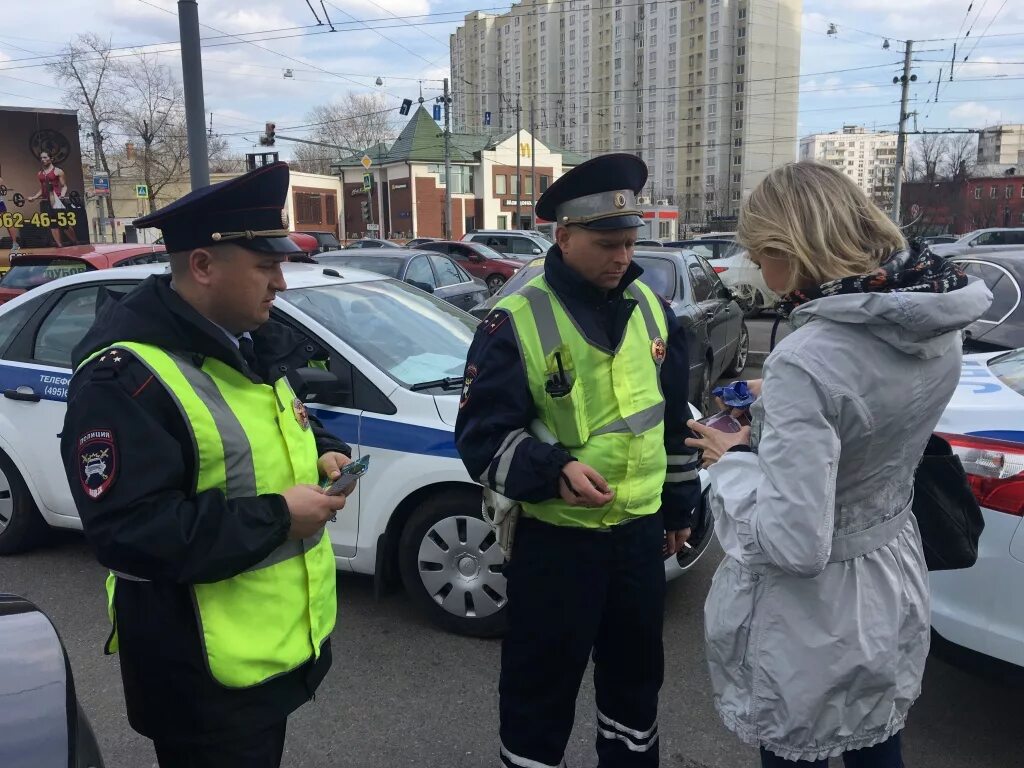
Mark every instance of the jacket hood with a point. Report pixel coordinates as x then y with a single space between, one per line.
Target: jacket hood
922 324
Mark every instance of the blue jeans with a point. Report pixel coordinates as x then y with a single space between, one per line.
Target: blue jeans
888 754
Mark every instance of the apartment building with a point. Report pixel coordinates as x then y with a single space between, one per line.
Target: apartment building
704 90
1001 145
867 157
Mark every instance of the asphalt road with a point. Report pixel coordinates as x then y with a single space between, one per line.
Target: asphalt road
403 693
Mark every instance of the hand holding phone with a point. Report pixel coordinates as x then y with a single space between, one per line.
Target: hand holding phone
723 422
349 474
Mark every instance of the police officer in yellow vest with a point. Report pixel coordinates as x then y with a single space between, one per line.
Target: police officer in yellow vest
195 470
575 405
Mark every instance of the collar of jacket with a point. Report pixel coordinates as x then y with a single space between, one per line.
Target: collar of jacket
567 282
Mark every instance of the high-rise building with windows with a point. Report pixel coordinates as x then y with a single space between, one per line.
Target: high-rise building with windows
704 90
867 157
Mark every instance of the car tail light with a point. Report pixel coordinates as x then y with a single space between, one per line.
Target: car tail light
720 270
995 471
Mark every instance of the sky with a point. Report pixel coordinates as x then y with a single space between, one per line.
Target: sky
846 78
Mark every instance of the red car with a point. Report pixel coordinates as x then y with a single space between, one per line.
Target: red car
479 260
35 267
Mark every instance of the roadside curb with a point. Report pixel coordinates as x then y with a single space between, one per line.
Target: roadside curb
756 358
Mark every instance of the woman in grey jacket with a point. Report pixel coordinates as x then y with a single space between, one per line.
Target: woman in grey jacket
817 623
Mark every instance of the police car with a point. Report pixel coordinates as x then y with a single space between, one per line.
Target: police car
982 608
398 354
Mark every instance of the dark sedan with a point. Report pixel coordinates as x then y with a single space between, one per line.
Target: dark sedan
712 320
430 272
1002 325
325 241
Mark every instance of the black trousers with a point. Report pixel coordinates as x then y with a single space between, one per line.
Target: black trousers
260 748
572 592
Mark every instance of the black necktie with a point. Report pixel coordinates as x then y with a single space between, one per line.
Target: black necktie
247 348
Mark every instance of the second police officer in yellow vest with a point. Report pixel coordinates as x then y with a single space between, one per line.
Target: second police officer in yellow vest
575 405
195 468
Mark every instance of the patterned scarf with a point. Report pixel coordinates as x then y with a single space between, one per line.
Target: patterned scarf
915 271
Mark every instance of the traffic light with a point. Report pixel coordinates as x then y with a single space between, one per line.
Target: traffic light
267 139
365 205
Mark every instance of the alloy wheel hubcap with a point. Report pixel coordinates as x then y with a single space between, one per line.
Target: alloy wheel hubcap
460 566
6 502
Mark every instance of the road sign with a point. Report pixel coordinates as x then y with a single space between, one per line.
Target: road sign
367 182
372 227
366 161
141 191
437 111
100 184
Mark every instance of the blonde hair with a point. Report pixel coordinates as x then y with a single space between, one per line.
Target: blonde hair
820 220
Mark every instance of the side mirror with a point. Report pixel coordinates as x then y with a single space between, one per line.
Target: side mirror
320 386
537 251
421 286
724 292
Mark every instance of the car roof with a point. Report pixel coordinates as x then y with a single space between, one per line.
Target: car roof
99 253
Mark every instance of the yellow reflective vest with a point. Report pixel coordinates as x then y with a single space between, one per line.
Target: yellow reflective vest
251 439
604 406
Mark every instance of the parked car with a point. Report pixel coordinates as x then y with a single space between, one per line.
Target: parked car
981 608
521 244
479 260
648 244
41 719
326 241
371 242
416 242
982 241
38 266
309 245
745 280
398 355
939 239
1002 325
716 335
429 272
708 247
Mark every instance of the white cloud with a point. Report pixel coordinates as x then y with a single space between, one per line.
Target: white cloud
971 114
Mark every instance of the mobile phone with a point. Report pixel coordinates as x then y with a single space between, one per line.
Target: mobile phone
349 474
723 422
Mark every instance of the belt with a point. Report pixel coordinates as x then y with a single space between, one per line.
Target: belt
847 546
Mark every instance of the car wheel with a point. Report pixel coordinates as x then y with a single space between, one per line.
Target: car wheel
704 403
494 283
739 360
749 299
21 526
451 565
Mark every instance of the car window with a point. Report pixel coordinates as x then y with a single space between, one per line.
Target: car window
457 252
1014 238
705 250
989 238
66 324
436 247
716 282
419 273
382 265
146 258
497 242
447 272
659 275
523 245
1005 291
410 336
466 277
30 272
12 321
702 289
485 251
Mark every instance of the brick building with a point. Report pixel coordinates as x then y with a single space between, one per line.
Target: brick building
962 205
407 198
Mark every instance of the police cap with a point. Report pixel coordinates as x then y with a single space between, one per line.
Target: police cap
598 194
247 211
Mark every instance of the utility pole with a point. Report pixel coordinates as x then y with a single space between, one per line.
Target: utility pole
101 230
447 166
519 176
192 80
901 138
533 163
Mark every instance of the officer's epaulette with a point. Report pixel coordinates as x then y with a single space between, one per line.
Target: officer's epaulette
494 321
107 365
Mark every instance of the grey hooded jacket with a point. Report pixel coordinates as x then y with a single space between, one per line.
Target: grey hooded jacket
817 623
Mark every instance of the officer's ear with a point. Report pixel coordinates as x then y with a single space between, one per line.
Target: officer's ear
195 265
563 235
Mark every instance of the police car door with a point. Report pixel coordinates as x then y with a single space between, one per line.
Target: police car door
36 371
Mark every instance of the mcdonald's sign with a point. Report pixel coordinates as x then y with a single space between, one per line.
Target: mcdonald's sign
524 149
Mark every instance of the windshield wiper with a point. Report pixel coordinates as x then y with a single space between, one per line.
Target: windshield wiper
448 382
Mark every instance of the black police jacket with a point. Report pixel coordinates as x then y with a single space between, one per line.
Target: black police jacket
149 521
497 401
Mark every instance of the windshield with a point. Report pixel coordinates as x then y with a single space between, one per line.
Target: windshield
1009 369
382 265
659 275
409 335
31 273
486 251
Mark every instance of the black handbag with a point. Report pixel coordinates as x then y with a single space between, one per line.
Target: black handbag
947 512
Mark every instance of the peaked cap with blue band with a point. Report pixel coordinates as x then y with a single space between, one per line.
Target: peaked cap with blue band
598 194
247 211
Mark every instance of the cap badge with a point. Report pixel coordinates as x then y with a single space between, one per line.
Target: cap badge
620 200
658 350
284 218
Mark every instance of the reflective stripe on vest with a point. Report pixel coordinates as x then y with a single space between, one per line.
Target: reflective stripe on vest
276 615
613 416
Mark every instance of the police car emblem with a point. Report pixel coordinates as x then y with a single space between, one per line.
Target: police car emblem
301 414
659 350
97 462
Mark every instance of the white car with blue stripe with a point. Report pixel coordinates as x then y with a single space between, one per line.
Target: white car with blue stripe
982 608
399 354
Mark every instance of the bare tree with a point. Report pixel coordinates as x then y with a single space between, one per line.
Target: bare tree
222 159
932 152
961 156
85 69
357 121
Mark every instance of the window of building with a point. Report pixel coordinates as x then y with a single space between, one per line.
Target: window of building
741 50
741 33
737 178
500 184
618 15
673 12
713 37
740 69
308 208
737 142
714 18
739 106
737 159
1009 191
739 87
713 56
992 193
654 40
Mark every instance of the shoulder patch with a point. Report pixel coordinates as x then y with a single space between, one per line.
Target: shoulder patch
97 462
494 321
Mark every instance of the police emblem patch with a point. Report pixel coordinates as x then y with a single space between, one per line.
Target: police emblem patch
301 414
659 350
471 373
97 462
